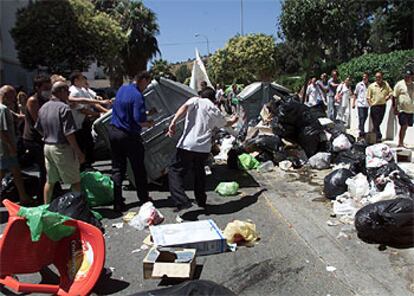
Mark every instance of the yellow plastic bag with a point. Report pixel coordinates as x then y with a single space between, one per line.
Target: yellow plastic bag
241 233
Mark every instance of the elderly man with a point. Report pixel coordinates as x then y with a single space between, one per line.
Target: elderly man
378 94
62 153
8 150
404 97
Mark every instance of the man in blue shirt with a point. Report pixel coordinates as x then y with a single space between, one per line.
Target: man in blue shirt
128 118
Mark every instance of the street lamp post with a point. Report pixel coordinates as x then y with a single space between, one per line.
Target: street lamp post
204 36
241 18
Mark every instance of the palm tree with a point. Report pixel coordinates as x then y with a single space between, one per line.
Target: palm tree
141 27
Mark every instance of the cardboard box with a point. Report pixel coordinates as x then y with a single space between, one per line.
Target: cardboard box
169 262
204 236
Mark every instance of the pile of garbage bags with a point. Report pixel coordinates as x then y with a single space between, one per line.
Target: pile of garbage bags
291 135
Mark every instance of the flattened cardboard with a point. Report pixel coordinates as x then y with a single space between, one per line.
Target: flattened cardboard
169 262
203 235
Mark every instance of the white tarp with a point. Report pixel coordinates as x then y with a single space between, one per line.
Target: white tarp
199 73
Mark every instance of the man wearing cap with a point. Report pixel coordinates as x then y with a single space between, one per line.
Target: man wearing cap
378 94
404 98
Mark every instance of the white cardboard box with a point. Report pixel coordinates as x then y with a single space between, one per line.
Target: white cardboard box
203 235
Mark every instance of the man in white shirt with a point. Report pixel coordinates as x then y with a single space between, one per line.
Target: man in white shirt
361 101
313 94
194 146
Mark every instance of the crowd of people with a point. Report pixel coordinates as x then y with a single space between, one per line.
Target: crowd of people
50 129
369 98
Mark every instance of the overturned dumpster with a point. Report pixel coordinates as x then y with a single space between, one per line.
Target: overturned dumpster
255 95
166 96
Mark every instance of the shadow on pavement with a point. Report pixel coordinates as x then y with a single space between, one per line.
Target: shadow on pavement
170 281
224 208
107 286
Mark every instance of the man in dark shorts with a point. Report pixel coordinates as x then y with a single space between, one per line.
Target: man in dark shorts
404 98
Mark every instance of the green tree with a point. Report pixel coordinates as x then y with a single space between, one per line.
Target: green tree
72 37
182 73
141 27
324 30
244 59
161 68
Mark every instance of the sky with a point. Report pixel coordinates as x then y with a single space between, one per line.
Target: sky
216 20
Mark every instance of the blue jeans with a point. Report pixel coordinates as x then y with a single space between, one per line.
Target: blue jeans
362 117
331 108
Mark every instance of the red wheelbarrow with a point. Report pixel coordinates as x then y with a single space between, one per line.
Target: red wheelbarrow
78 258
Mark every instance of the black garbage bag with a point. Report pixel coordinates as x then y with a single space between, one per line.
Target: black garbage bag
355 159
8 189
334 183
74 205
403 183
318 111
233 157
388 222
266 143
190 288
310 138
286 131
291 112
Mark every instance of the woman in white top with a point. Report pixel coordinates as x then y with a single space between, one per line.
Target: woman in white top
342 101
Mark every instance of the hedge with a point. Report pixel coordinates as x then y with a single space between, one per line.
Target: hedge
391 64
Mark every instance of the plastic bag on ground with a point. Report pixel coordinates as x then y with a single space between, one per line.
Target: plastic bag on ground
8 189
386 194
248 162
266 167
334 183
389 222
75 206
345 206
341 143
378 155
226 145
321 160
98 188
285 165
147 215
40 221
358 186
241 233
227 188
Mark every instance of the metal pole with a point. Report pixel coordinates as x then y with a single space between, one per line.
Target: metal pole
241 18
207 43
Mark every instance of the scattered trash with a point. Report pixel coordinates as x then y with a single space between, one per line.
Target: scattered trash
118 225
341 143
128 216
241 233
148 241
343 235
170 263
208 171
334 183
202 235
147 215
266 167
333 223
248 162
74 205
227 188
378 155
344 206
136 251
285 165
330 268
389 223
320 161
98 188
358 186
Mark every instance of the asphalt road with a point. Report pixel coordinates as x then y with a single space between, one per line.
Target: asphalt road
291 257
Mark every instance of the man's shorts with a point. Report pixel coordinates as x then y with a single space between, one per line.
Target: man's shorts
405 118
61 164
8 162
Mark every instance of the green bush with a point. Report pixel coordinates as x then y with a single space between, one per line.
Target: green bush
391 64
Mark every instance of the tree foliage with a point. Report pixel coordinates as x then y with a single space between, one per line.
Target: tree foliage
161 68
72 37
325 29
141 27
391 64
244 59
182 73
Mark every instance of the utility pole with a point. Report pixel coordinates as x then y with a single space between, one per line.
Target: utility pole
204 36
241 18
